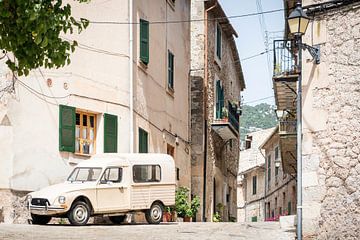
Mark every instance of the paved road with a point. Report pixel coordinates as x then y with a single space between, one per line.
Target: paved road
195 231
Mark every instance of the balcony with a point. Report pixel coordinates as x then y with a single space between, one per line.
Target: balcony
226 122
287 133
285 74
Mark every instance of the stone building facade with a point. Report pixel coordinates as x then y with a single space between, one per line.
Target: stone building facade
280 187
251 178
216 83
331 163
131 77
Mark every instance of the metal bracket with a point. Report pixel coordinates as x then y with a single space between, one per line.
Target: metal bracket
314 52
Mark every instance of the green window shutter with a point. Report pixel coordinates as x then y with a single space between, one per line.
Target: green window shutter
218 97
143 141
218 41
110 133
170 70
144 41
67 128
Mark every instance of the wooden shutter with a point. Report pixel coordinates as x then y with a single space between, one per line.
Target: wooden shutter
144 41
143 141
170 70
110 133
67 128
218 41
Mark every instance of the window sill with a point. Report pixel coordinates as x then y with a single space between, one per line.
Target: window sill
171 4
83 155
217 60
143 66
170 92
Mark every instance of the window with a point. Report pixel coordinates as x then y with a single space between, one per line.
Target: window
170 70
276 153
254 181
112 174
146 173
77 131
144 41
219 100
143 141
218 41
110 133
170 150
85 133
178 174
289 208
269 170
84 174
276 171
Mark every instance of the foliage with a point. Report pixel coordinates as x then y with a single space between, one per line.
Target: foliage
217 217
31 30
183 206
224 112
254 118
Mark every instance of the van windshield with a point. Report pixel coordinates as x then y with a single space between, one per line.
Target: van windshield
84 174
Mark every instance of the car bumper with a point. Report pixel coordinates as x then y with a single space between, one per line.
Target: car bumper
46 210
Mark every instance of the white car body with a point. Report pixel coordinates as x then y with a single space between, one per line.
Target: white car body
111 198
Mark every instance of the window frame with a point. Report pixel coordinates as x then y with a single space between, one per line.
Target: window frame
170 71
218 42
140 131
121 176
144 38
146 165
88 129
254 185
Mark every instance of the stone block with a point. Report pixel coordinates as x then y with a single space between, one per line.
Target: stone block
287 222
310 179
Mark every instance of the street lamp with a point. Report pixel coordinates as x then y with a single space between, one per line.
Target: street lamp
298 22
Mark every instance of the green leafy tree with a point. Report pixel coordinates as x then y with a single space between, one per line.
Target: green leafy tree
31 30
261 116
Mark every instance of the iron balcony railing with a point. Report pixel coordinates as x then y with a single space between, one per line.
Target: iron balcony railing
287 127
285 60
227 111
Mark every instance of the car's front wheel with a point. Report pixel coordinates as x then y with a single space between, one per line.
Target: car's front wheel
155 214
40 219
79 213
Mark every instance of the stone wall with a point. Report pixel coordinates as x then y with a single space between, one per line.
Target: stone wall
13 207
331 162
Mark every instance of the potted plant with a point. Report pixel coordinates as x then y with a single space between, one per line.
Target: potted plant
224 113
167 215
183 206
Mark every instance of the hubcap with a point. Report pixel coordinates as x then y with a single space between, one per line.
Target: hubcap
80 214
156 213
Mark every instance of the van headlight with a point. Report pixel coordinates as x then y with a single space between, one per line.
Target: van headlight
62 199
28 199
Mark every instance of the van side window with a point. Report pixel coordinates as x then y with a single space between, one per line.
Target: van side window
112 175
146 173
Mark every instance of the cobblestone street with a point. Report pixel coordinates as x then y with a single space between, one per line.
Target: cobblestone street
222 231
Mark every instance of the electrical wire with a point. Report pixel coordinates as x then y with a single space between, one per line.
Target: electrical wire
191 20
258 100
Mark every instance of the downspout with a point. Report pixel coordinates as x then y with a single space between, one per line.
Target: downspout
205 108
131 77
265 172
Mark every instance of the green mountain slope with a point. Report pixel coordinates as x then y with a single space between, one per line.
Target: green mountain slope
257 117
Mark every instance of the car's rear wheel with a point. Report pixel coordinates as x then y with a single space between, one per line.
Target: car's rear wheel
117 219
155 214
79 213
40 219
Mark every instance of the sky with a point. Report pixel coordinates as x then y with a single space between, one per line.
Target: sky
251 41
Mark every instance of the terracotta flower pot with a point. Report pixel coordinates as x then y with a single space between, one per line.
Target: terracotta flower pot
187 219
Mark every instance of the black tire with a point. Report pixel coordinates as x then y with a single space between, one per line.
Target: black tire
155 214
79 213
117 219
40 219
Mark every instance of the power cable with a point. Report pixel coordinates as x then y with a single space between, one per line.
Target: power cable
191 20
257 100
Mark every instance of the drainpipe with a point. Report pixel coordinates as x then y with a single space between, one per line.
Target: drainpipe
131 77
205 101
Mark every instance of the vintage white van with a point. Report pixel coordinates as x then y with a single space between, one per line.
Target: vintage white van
109 184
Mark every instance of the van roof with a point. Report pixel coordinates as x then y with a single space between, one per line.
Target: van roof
126 159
